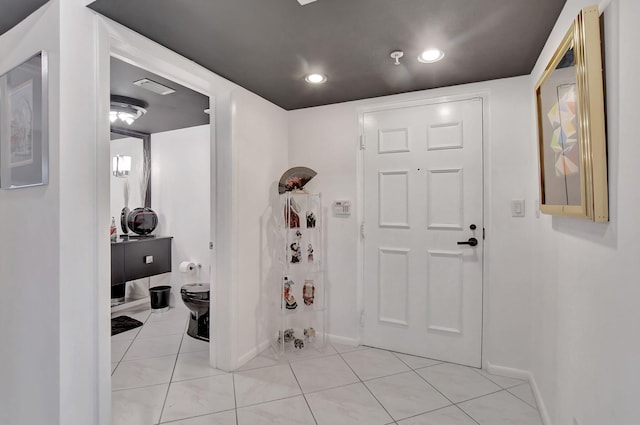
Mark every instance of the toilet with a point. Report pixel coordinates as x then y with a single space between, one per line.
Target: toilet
196 297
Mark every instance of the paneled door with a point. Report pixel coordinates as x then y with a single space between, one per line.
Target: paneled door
423 230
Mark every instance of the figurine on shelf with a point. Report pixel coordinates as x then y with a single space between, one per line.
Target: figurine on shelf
298 343
288 336
311 220
310 254
295 252
309 334
291 214
289 299
298 234
308 292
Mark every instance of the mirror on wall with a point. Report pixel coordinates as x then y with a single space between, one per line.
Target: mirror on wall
130 172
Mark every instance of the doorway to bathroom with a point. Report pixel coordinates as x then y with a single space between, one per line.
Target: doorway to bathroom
160 206
423 231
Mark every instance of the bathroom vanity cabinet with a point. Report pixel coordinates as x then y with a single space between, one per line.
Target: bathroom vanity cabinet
136 258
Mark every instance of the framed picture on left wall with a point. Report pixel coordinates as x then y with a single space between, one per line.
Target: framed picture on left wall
24 132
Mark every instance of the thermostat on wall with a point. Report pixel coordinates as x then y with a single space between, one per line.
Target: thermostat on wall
342 208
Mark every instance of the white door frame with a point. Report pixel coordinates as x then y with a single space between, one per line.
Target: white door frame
486 194
115 40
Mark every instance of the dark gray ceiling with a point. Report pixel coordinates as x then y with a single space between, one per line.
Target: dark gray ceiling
182 109
12 12
267 46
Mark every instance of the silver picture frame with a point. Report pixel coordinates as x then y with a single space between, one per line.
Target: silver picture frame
24 129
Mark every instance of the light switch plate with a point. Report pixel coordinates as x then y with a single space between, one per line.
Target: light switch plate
517 208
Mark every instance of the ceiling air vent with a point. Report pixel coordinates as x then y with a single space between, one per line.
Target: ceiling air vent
153 86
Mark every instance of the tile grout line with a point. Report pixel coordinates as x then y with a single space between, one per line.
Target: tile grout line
416 368
130 344
478 371
368 389
166 396
520 398
137 338
303 395
447 398
474 398
269 401
194 417
235 397
430 411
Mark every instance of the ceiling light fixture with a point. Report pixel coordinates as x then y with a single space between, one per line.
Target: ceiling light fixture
154 86
126 109
431 56
315 78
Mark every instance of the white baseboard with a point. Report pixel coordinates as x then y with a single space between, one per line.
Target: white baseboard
249 355
351 342
508 372
544 414
526 375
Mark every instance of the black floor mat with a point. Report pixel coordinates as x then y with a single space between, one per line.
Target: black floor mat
122 324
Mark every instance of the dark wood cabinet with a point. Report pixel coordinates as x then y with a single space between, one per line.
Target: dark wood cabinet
137 258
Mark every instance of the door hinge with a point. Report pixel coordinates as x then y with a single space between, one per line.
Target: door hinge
483 233
362 231
362 319
362 144
210 245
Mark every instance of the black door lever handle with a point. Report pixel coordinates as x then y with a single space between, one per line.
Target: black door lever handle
471 241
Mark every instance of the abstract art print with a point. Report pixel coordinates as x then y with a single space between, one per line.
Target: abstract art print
571 125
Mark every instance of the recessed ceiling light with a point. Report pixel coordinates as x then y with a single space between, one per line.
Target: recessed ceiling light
315 78
430 56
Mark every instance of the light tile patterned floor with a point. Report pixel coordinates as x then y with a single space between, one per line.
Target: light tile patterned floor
161 375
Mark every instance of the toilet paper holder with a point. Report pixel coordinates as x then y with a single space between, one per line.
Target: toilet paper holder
188 266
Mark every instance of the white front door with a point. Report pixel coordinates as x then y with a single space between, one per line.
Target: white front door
423 194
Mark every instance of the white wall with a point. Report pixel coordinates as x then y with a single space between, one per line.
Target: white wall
260 138
29 254
49 250
326 139
82 244
180 195
585 295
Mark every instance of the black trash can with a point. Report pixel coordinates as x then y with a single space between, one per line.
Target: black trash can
159 298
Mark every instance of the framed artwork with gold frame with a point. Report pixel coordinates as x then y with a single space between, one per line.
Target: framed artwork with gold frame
572 145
